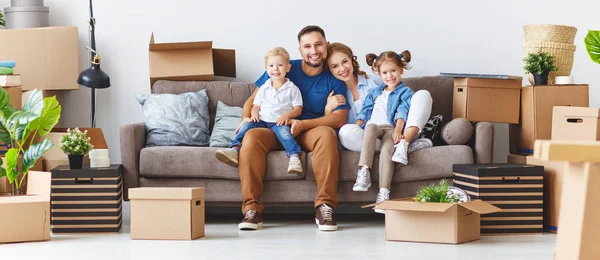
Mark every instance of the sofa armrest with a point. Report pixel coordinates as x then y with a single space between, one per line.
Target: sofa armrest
133 139
484 143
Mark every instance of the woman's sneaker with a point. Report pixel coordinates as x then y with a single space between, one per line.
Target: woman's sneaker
363 179
382 196
419 144
228 156
401 152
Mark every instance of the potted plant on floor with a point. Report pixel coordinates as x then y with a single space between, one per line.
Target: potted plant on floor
592 44
19 128
539 65
76 144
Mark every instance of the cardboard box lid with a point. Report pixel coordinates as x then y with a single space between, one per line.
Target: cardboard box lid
513 82
407 204
498 169
568 111
185 60
155 193
480 207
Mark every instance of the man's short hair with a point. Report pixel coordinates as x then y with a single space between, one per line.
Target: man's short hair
310 29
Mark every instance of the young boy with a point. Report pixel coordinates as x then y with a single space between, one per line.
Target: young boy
276 103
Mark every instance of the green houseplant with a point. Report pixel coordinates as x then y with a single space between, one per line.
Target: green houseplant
2 22
75 144
592 44
19 128
436 193
539 64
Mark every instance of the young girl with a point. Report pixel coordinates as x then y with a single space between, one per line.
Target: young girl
385 111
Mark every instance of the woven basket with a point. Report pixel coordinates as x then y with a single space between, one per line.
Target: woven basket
549 33
563 57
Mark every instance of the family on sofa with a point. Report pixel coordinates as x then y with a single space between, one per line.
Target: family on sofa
301 103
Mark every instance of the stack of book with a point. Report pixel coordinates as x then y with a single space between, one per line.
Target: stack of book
7 67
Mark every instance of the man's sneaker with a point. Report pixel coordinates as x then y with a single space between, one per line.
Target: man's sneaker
325 218
228 156
382 196
363 179
401 152
253 220
419 144
295 166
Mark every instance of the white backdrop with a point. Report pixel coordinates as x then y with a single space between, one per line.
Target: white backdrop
443 36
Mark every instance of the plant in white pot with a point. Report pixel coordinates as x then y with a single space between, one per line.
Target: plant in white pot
592 44
19 128
539 64
75 144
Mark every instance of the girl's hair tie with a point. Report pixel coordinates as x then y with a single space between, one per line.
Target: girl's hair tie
400 55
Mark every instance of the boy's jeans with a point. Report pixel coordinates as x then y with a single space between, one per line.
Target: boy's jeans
283 133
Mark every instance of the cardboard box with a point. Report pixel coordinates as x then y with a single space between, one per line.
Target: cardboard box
15 94
517 158
575 123
46 93
35 206
449 223
56 157
47 58
537 105
487 100
167 213
6 187
554 173
518 189
189 61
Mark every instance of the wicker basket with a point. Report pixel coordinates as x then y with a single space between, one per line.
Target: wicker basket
549 33
563 54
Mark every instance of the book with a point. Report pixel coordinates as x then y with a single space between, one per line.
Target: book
13 80
7 63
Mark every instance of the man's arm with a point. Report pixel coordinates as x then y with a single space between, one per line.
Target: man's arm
246 111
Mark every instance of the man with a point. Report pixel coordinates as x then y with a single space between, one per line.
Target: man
313 131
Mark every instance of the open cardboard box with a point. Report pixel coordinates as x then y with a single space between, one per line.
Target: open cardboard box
449 223
27 218
189 61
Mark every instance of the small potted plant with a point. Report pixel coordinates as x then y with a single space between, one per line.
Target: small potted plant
76 144
442 193
592 44
539 65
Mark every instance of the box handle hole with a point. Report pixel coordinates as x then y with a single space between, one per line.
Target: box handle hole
575 120
198 203
511 181
460 89
84 180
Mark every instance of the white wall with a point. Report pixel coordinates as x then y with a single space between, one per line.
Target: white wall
443 36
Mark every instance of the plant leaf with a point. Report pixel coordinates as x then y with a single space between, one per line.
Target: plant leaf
4 135
2 170
5 107
34 153
31 110
592 44
11 164
48 118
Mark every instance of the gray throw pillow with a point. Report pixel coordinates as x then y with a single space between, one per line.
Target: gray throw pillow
227 120
457 132
173 120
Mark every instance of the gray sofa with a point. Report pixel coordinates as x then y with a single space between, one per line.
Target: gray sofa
198 167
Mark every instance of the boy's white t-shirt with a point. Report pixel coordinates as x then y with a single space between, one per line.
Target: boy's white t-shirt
274 103
379 114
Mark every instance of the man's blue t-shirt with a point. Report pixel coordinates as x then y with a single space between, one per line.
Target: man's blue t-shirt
315 90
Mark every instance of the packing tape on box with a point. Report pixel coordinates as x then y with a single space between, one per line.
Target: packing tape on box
99 153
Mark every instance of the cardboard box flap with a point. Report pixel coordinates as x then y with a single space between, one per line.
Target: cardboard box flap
480 207
155 193
178 45
39 184
511 82
397 199
577 112
224 62
414 206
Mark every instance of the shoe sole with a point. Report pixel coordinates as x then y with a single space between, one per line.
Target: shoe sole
325 227
358 189
250 226
380 211
224 158
405 162
295 172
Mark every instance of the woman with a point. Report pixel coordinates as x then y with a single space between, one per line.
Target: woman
343 65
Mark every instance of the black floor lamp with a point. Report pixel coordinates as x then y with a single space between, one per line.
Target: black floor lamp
93 77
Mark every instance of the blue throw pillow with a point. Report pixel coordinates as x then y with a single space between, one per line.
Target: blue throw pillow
227 119
173 120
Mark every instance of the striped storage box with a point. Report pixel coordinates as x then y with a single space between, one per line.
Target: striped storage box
86 200
517 189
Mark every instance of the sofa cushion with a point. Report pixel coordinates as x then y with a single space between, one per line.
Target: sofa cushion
200 162
176 119
457 132
431 163
227 119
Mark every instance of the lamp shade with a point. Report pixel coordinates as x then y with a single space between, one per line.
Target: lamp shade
94 77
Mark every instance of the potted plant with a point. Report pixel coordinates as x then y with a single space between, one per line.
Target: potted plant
76 144
539 65
592 44
441 192
19 129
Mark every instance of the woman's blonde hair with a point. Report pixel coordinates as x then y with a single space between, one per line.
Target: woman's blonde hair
278 51
402 59
340 47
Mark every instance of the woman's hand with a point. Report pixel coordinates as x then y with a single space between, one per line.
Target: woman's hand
397 136
333 102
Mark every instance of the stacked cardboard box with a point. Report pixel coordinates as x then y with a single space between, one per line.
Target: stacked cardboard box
86 200
515 188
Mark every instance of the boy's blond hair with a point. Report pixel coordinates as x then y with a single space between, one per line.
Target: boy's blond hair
278 51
